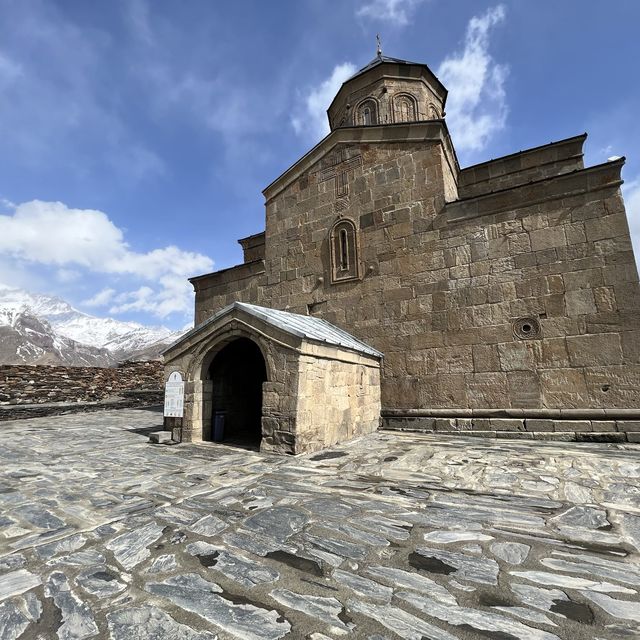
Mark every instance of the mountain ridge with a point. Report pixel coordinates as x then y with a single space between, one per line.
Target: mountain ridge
44 329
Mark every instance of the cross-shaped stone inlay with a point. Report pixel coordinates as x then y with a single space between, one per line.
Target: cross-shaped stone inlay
337 168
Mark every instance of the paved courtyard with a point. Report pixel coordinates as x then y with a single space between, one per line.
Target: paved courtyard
393 536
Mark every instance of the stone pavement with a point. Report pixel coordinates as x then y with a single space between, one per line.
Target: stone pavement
392 536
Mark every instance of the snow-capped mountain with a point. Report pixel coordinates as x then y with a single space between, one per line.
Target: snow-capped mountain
36 327
27 339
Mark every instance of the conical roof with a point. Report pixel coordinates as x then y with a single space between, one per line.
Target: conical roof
380 59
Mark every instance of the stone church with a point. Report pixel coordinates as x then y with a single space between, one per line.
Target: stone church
392 287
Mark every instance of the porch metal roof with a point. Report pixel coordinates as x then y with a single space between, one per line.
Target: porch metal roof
308 327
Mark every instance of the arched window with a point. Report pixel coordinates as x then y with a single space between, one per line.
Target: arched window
344 251
405 108
367 113
433 112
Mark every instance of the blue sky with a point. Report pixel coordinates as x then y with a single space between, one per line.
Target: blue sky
136 135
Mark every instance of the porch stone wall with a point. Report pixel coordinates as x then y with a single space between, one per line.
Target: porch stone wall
315 396
338 400
279 406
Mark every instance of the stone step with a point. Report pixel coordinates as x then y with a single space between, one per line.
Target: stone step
562 436
160 437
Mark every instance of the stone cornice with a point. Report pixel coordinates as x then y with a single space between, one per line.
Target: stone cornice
562 186
232 274
567 142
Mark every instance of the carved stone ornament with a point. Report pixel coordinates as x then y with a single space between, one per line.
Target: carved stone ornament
527 328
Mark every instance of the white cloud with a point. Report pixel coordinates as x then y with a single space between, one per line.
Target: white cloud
310 120
53 234
68 275
101 299
396 12
631 192
476 108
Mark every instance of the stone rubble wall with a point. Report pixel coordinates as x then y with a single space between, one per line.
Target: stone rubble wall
29 384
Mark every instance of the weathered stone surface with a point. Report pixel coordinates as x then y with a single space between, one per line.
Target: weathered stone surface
150 623
163 564
511 552
77 618
570 582
208 526
483 570
12 621
363 587
193 593
17 582
447 537
580 516
480 620
400 622
100 582
323 608
411 580
619 609
130 548
72 543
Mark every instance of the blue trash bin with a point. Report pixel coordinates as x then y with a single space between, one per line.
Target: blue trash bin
218 426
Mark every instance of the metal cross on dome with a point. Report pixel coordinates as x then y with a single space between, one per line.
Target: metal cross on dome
379 48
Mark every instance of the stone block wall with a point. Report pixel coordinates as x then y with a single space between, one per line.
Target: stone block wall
521 168
337 401
242 283
253 247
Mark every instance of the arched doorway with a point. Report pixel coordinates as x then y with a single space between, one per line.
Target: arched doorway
237 373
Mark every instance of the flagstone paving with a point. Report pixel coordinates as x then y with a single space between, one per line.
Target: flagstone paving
103 535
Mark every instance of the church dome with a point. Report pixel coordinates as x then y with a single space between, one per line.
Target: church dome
388 91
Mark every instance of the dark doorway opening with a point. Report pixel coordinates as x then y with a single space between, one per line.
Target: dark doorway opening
237 373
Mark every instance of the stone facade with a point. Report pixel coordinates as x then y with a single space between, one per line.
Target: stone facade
506 285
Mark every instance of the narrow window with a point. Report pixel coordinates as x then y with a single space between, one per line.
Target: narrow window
344 250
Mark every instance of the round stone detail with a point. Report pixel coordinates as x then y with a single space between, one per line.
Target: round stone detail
527 328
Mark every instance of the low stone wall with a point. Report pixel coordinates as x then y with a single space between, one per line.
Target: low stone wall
30 384
584 429
129 400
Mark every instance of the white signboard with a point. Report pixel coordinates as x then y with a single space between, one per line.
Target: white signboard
174 396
